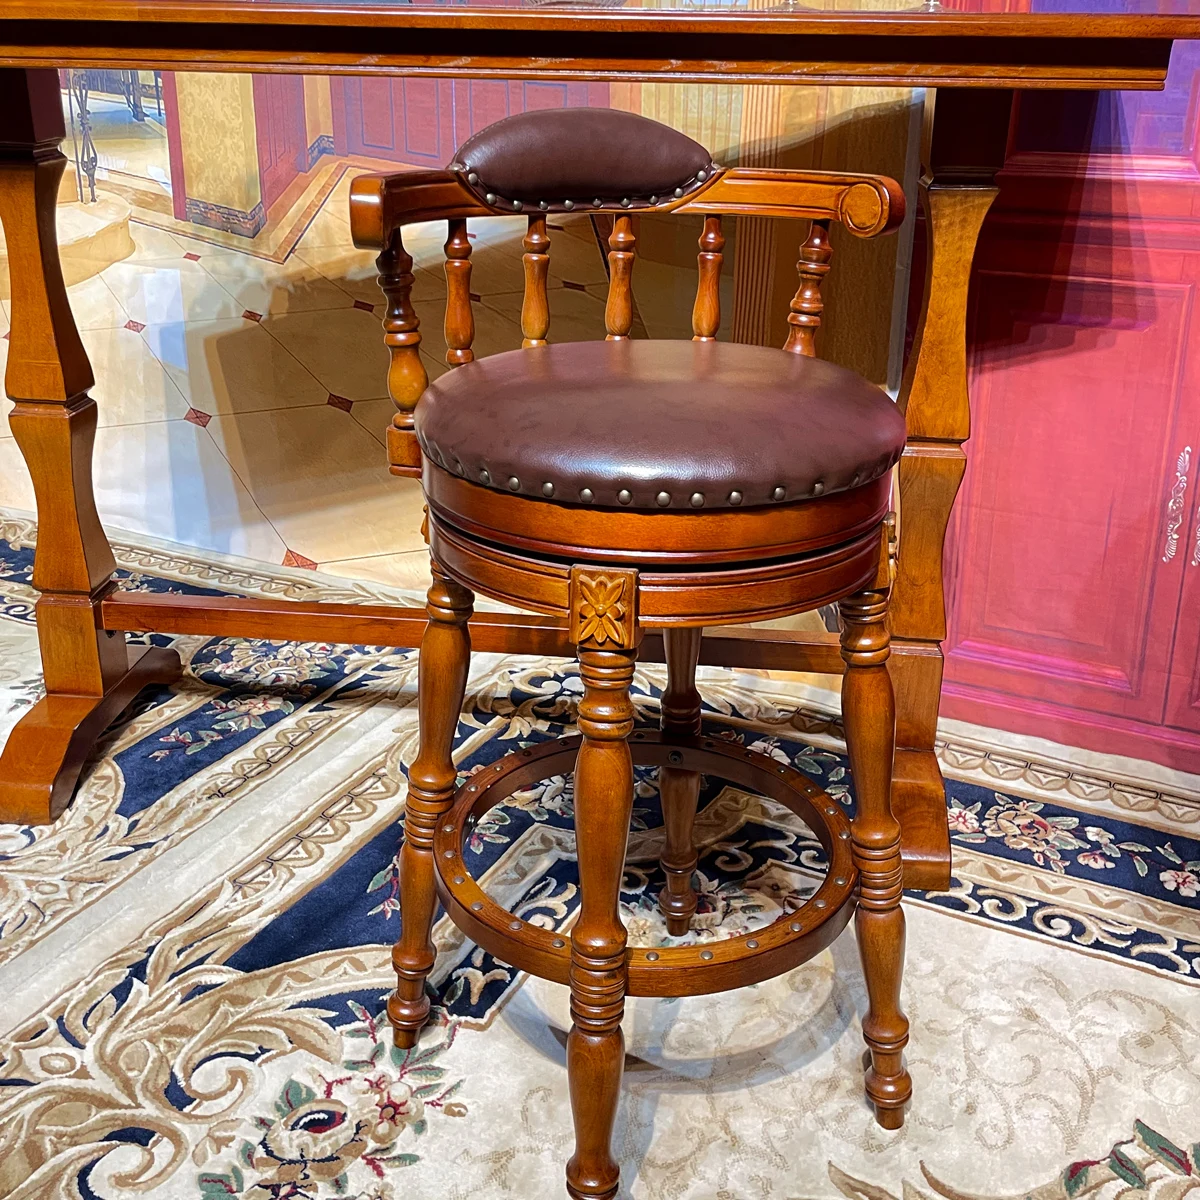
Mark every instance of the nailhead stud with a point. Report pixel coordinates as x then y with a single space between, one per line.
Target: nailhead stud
558 943
678 193
514 924
697 500
568 205
457 166
517 206
752 944
472 179
597 203
840 881
514 484
662 499
735 498
547 489
542 204
854 481
586 495
626 202
477 906
653 199
701 175
706 955
795 926
624 495
818 488
778 493
652 956
484 477
490 197
819 903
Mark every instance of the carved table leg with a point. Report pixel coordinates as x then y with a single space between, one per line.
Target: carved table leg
869 713
604 627
441 681
90 675
679 790
966 134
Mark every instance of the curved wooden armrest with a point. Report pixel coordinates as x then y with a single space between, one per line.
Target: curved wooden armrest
382 203
867 205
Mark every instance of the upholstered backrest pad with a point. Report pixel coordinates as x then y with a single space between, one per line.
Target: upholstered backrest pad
580 154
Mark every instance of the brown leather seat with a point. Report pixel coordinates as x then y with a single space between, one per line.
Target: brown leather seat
660 424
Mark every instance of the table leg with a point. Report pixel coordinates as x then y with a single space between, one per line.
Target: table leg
963 146
90 675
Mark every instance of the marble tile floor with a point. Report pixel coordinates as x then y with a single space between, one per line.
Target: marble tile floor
243 403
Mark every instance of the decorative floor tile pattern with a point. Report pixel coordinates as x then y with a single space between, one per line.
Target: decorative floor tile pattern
222 1035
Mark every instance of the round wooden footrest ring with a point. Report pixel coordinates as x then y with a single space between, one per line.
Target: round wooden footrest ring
748 958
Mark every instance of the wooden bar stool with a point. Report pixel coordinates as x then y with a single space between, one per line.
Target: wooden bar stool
627 485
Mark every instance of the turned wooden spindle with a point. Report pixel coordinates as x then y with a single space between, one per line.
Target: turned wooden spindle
706 313
401 333
679 789
442 679
869 713
603 806
618 312
535 305
807 305
460 320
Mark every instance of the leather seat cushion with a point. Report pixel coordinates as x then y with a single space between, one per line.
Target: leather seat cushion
659 424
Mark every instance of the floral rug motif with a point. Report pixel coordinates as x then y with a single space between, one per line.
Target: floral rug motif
195 957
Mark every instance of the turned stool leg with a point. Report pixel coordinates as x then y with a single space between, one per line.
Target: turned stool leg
678 789
603 805
869 715
441 681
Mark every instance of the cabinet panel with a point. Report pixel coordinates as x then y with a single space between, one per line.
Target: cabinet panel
1062 594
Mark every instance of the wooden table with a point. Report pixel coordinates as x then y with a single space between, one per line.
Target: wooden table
974 60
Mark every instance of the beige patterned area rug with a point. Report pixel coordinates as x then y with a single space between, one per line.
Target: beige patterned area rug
194 959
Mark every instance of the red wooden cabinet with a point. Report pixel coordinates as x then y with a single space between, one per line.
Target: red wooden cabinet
279 124
1075 568
422 122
